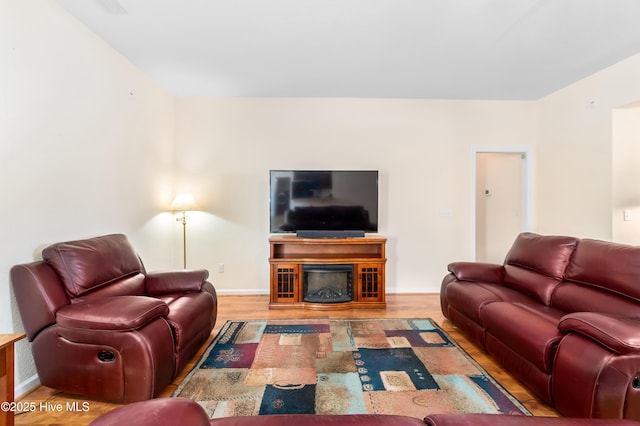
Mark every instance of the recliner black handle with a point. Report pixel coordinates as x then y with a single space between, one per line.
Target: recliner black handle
636 383
106 356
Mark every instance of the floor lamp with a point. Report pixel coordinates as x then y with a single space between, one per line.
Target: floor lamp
183 203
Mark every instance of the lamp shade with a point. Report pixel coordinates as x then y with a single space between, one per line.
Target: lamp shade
183 202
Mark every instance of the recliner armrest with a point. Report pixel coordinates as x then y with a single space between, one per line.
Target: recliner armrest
39 294
119 313
477 271
180 281
618 334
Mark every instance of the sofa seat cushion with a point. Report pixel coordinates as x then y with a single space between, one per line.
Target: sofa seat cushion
121 313
188 315
551 314
533 336
470 297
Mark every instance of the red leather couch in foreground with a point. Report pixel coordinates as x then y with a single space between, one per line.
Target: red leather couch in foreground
101 326
180 411
562 314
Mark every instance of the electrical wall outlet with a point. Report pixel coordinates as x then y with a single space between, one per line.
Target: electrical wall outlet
220 268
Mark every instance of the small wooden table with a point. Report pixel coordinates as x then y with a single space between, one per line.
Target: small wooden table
6 376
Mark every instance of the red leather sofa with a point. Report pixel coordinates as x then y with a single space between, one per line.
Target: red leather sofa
562 314
182 411
101 326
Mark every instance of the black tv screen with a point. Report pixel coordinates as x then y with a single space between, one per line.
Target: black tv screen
323 200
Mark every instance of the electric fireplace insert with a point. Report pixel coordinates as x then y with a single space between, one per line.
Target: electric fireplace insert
327 283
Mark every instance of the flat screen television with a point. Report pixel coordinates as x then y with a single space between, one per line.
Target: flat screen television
324 203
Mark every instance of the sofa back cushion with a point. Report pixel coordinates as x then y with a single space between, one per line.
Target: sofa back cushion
607 273
610 266
87 265
573 297
536 264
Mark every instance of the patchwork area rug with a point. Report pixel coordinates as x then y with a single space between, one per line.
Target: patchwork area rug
382 366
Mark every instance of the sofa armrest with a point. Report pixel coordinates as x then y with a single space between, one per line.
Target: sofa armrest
121 313
477 271
180 281
618 334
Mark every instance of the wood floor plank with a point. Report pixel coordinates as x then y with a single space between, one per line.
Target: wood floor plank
256 307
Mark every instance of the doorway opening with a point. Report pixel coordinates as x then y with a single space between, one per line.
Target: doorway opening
502 200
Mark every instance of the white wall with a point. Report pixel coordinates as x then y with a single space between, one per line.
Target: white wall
575 173
422 148
86 147
225 147
626 180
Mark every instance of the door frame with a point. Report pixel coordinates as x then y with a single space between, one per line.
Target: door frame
527 179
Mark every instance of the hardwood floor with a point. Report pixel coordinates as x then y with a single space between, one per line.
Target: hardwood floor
256 307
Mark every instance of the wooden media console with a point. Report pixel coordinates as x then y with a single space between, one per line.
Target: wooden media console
292 259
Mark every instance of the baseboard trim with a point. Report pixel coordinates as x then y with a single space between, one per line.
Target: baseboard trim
26 386
256 291
421 290
242 292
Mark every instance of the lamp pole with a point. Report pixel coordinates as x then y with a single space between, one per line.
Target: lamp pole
183 220
183 203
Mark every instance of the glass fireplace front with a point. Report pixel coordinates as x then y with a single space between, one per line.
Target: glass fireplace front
327 283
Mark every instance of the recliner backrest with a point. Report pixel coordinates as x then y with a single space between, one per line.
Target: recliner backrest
602 276
536 264
93 264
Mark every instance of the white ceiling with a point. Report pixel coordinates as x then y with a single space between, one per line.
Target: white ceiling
453 49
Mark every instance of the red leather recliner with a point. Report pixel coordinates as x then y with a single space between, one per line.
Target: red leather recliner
103 327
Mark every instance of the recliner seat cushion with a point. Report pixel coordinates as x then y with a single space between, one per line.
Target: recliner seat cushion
120 313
